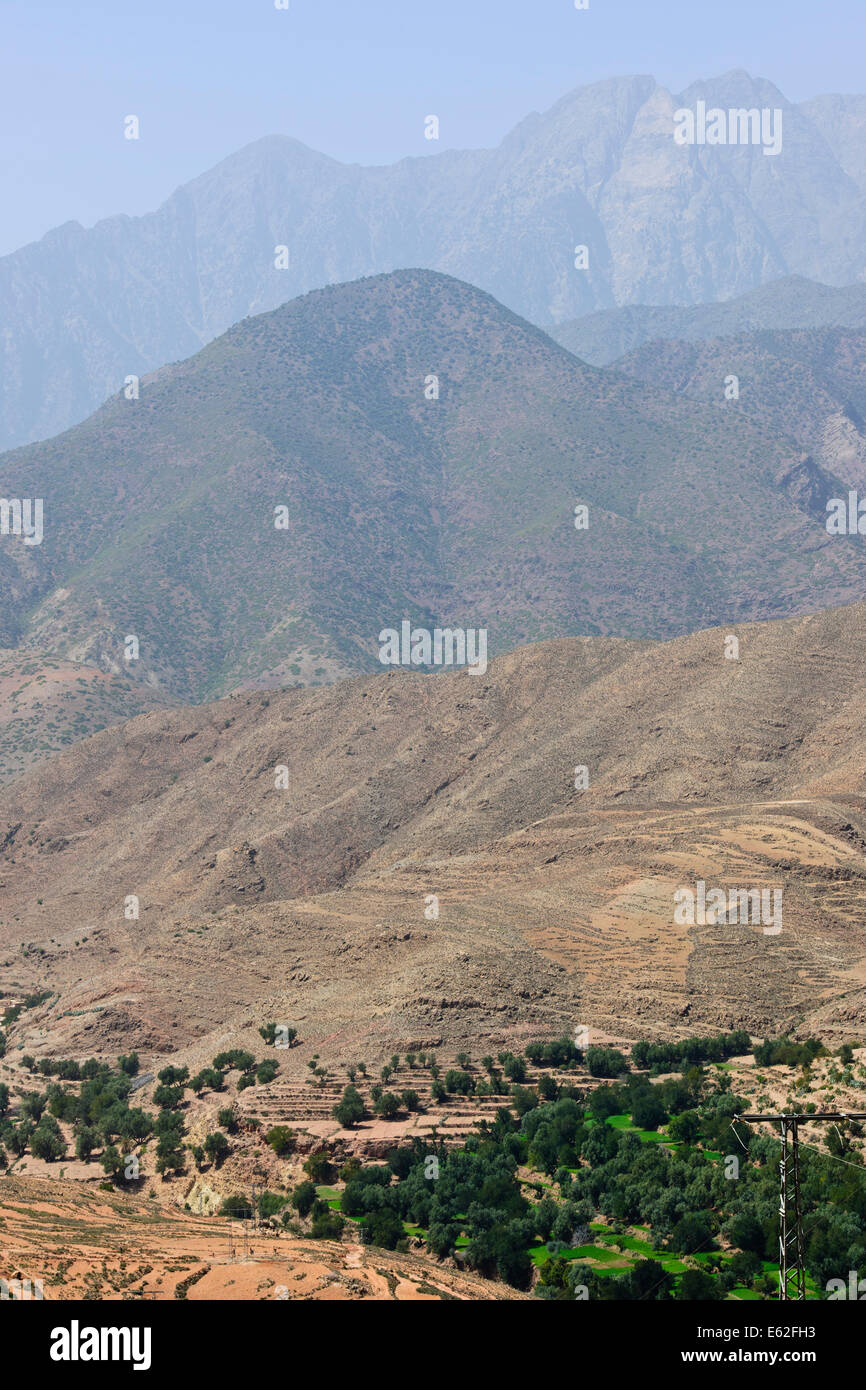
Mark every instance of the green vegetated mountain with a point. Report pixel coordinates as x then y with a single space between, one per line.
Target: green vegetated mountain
792 302
809 385
159 513
663 224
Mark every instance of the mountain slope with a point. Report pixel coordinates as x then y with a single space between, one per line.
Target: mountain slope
78 1242
82 309
456 511
48 703
555 905
810 385
840 121
792 302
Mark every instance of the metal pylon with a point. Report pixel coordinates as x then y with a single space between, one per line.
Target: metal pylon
792 1267
792 1264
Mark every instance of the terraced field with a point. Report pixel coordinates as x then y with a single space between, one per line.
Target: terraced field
91 1245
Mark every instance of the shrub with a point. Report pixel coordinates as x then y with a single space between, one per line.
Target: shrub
388 1106
303 1197
319 1168
327 1225
350 1109
281 1140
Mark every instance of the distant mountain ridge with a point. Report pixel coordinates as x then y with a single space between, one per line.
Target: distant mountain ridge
83 309
790 303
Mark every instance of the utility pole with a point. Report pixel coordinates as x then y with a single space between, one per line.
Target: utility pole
238 1241
792 1269
257 1188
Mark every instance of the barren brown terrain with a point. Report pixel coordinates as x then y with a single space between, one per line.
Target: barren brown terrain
308 903
94 1245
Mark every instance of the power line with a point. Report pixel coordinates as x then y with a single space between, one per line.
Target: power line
834 1157
792 1265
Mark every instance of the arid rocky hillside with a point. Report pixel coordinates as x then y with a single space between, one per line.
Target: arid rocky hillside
86 1245
313 902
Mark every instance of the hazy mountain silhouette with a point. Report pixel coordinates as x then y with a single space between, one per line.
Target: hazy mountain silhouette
664 224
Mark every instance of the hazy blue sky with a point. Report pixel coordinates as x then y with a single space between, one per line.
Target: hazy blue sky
354 78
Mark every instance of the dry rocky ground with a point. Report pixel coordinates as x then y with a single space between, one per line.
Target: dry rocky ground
313 904
93 1245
